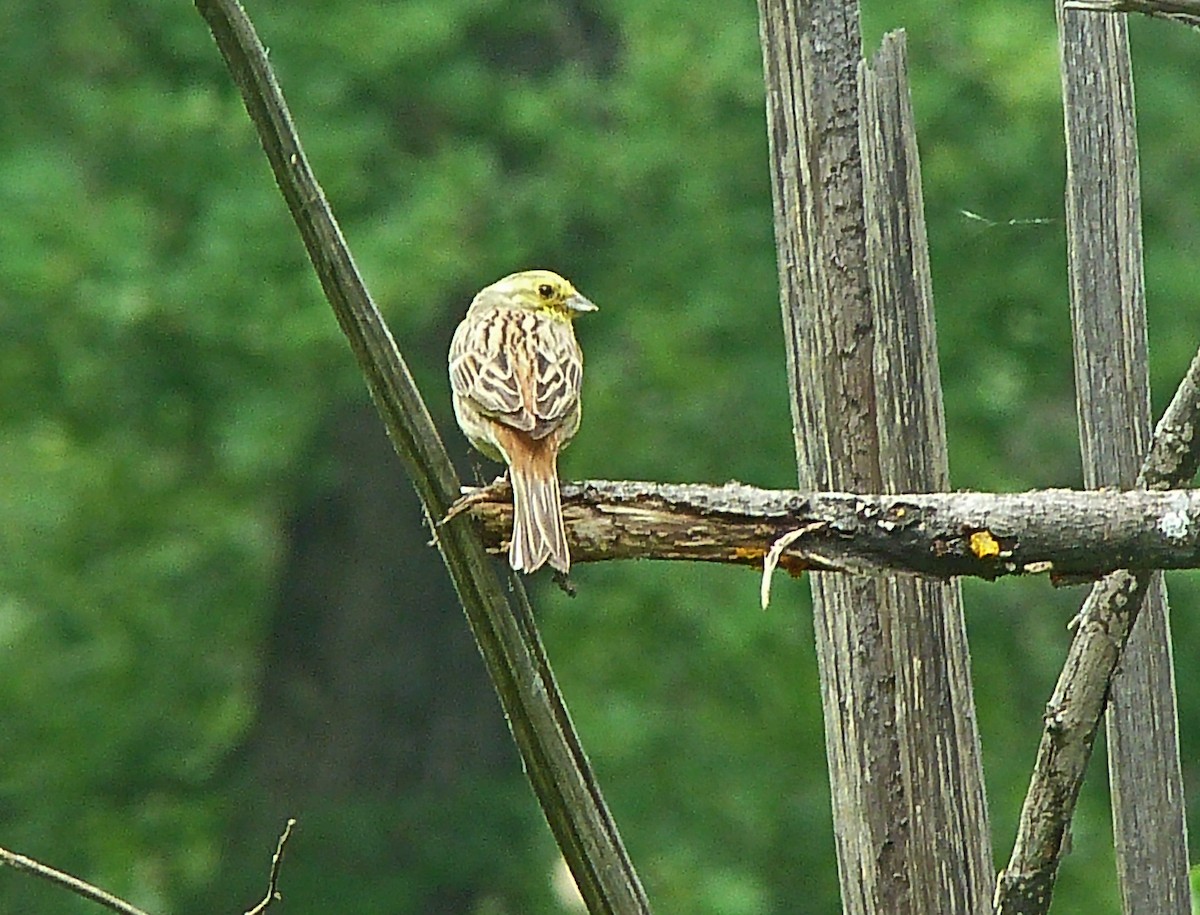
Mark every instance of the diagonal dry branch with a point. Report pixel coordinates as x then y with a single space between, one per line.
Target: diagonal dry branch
273 894
1077 704
503 626
73 884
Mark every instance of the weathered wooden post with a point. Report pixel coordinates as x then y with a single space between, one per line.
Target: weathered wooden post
900 739
934 702
1104 246
1108 317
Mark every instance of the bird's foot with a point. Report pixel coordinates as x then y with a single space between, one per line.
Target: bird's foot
563 580
474 495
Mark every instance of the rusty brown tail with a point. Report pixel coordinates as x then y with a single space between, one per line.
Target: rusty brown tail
538 533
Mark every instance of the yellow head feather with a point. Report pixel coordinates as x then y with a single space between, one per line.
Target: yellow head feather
536 290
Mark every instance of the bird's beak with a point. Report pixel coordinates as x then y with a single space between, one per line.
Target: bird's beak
579 304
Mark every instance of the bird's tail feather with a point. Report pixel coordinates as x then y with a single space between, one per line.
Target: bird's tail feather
538 533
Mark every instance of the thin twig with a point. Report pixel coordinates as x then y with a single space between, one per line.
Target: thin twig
276 863
1186 12
74 884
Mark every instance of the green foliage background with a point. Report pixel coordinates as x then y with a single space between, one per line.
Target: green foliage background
167 364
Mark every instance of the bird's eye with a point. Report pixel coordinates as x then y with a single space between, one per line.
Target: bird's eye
545 290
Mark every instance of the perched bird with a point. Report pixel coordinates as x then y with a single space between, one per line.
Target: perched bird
516 372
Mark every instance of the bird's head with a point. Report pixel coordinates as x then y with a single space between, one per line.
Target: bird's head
537 290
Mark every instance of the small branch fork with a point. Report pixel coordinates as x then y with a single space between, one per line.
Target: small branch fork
112 903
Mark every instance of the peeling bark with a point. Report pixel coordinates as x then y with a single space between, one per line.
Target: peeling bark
1074 536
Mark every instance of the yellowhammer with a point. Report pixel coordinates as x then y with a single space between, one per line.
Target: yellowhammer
516 371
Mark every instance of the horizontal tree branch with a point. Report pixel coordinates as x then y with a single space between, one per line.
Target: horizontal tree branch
1073 535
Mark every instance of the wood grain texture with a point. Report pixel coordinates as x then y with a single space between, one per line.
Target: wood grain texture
1108 316
811 53
950 845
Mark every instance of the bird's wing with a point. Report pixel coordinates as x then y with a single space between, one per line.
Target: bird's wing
557 377
483 371
517 367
